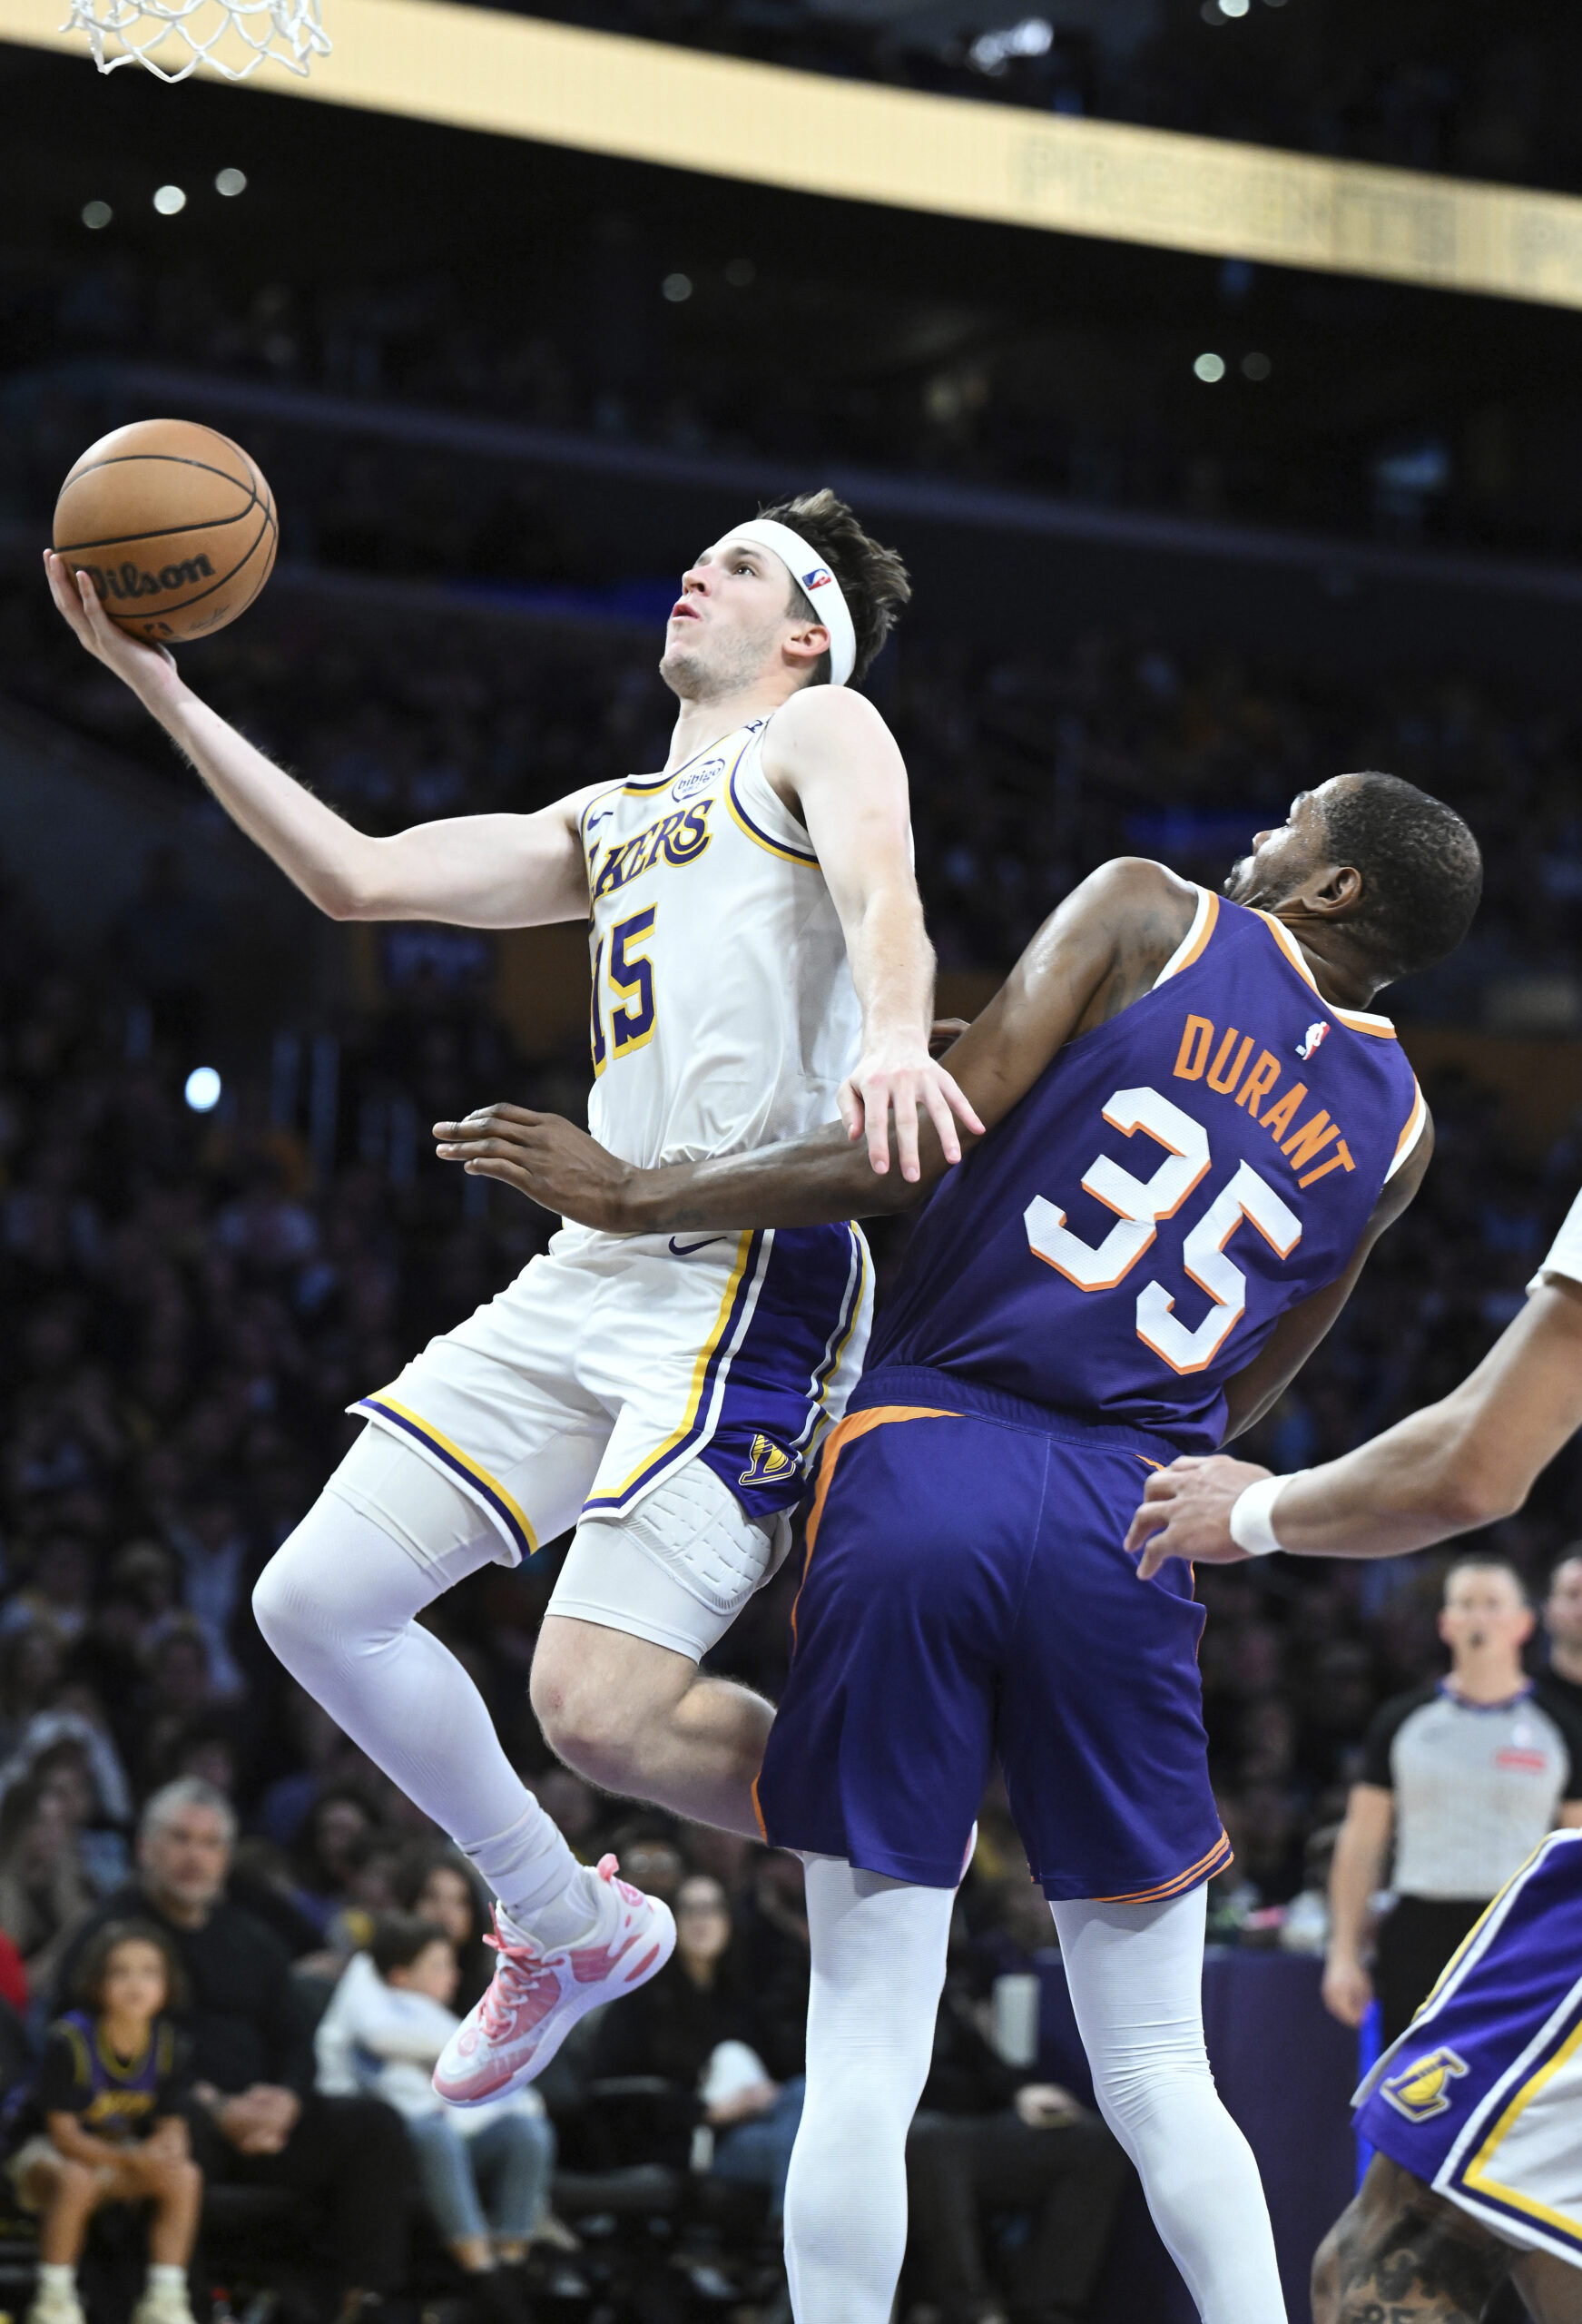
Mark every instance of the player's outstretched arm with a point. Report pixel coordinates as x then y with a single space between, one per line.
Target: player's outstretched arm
832 756
1100 951
475 870
1464 1462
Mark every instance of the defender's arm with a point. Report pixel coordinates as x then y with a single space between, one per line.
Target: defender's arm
1295 1338
832 759
474 870
1465 1461
1099 951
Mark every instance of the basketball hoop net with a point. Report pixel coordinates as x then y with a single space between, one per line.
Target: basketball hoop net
233 37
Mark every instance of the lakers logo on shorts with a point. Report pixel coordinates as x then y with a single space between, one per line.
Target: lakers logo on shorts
1421 2089
768 1465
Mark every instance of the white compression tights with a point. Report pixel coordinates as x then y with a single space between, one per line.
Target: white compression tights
338 1603
1135 1975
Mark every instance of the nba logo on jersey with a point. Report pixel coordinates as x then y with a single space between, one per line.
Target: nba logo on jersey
1311 1038
819 578
1420 2089
768 1463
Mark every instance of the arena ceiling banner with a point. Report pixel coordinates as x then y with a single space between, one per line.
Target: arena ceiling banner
643 101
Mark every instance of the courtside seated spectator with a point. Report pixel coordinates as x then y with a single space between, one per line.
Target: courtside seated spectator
485 2170
105 2122
257 2119
1464 1775
695 2027
435 1882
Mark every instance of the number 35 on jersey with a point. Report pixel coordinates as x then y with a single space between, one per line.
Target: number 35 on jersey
1140 1204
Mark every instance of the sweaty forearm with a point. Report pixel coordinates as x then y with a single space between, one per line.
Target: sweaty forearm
324 856
807 1183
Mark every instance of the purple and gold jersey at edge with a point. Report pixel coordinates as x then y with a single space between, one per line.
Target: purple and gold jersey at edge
1481 2096
1172 1184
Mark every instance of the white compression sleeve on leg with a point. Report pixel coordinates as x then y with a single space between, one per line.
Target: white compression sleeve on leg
878 1962
338 1603
1135 1976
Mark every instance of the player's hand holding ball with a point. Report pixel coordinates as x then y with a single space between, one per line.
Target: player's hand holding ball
1186 1513
148 670
164 530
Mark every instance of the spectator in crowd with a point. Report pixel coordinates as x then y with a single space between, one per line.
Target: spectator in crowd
775 1954
988 2138
694 2026
76 1767
1563 1628
105 2122
437 1883
45 1891
332 1852
29 1671
485 2170
257 2119
1463 1776
61 1592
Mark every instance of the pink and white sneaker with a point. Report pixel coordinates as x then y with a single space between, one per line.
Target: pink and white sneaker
536 1996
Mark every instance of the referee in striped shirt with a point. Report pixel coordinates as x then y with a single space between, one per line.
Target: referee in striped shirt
1465 1775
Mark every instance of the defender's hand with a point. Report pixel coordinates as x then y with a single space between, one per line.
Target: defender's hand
1186 1512
896 1079
544 1157
148 670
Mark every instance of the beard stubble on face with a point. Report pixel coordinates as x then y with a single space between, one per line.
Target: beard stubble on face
707 670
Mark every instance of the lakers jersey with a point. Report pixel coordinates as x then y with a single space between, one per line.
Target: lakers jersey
724 1013
1171 1185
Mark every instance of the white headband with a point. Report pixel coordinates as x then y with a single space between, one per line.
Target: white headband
809 572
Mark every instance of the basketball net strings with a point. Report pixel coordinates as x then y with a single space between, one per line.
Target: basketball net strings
286 31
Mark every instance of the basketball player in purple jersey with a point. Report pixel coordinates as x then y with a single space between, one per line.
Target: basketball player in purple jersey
1197 1131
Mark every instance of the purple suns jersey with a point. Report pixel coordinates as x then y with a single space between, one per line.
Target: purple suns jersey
1174 1180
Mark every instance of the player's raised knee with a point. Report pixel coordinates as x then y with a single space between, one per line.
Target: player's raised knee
585 1723
278 1606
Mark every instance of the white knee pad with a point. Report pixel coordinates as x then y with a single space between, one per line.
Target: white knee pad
413 1500
677 1570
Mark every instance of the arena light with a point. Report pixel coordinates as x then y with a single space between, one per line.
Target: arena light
605 92
201 1091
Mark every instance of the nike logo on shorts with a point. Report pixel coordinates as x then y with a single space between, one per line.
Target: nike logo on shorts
685 1250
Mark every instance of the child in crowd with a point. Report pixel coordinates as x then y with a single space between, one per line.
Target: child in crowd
103 2124
486 2170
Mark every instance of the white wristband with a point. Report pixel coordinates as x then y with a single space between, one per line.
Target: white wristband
1252 1516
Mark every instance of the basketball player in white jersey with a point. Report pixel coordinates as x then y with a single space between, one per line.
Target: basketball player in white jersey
760 961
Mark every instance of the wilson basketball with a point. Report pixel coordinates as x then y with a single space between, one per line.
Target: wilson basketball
174 524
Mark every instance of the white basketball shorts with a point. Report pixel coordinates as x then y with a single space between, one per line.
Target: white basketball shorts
614 1361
